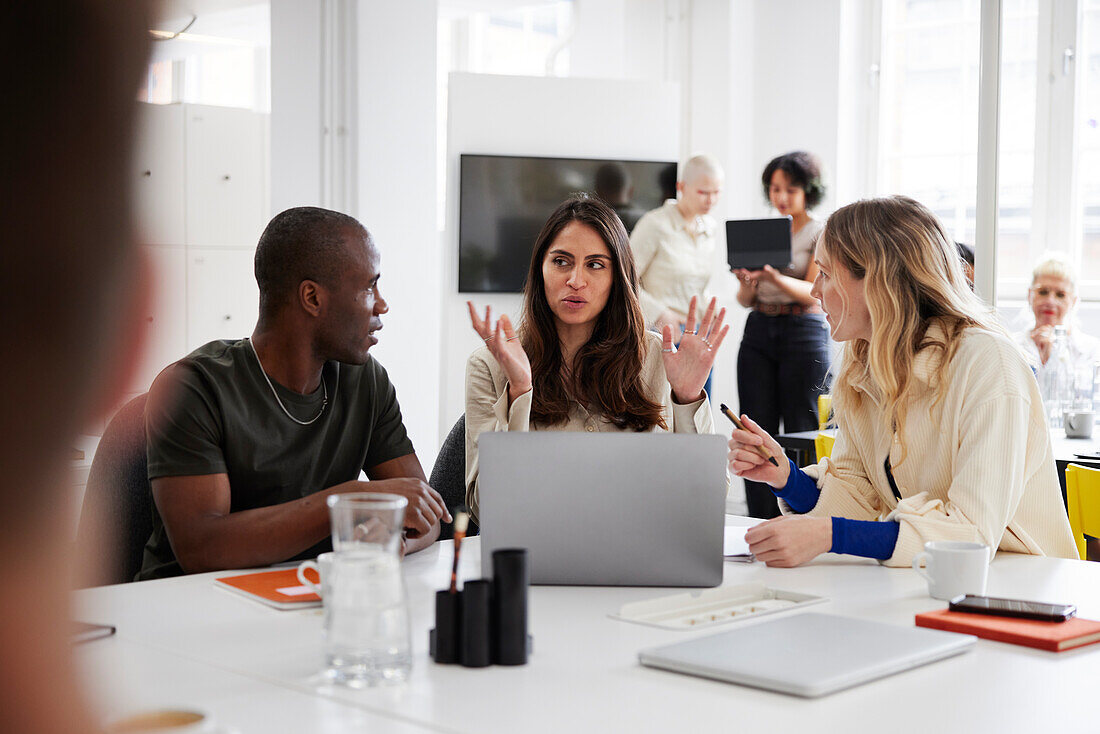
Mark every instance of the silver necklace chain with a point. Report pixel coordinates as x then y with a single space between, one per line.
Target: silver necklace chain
324 403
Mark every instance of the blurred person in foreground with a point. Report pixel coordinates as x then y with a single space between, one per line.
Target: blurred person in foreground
71 296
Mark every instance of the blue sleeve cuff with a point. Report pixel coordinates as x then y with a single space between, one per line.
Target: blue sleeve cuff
800 492
870 539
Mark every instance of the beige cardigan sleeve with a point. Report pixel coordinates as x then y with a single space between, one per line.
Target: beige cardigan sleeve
487 410
845 488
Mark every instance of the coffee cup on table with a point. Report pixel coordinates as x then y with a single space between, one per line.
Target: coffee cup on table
1078 423
168 720
323 567
953 567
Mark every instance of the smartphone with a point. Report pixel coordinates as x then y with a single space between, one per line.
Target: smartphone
1012 608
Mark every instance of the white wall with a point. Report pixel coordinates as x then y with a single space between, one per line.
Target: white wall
296 127
392 48
797 83
511 115
397 188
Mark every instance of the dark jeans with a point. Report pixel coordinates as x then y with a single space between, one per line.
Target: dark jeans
782 366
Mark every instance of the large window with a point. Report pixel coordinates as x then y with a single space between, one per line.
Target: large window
1088 143
929 120
214 58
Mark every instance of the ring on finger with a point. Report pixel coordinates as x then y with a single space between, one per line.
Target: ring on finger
511 338
490 338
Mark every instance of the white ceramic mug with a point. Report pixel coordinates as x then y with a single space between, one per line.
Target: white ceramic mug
1078 423
953 568
323 567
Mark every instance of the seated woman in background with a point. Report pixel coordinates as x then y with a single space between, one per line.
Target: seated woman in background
941 428
582 359
1052 297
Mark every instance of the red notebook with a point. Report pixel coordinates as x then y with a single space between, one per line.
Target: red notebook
1053 636
279 588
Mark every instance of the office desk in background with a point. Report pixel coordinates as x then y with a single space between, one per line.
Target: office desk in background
185 642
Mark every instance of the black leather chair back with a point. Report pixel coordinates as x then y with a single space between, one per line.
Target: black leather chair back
116 517
449 475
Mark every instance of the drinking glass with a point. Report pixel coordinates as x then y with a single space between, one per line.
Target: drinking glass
366 614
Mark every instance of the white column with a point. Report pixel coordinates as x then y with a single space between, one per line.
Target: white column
396 139
989 102
296 126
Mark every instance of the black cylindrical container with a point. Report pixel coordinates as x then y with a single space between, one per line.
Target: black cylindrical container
445 636
474 643
510 577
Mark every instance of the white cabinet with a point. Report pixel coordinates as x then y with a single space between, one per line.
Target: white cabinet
201 195
225 176
158 175
222 297
166 318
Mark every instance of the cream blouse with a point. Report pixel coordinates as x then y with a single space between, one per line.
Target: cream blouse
675 260
487 408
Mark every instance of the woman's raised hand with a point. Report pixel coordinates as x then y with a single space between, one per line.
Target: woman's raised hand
687 368
505 347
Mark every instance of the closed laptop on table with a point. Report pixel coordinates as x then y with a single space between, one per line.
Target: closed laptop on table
606 509
807 654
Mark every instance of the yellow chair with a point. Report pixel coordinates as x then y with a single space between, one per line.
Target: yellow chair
1083 499
824 411
823 444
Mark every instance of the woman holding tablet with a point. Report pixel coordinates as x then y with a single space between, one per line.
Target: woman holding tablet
941 428
581 359
783 364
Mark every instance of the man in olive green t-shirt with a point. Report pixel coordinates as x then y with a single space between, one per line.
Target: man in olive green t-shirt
246 439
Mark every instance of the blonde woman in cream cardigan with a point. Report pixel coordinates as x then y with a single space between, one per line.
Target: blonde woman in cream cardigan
941 428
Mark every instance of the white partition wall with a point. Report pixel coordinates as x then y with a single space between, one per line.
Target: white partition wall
537 116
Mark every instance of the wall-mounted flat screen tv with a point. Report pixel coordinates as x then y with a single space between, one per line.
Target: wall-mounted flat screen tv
505 200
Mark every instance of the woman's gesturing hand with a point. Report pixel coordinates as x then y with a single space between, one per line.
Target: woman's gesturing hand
505 347
746 462
1043 336
687 368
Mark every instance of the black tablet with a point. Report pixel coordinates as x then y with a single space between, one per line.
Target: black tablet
754 243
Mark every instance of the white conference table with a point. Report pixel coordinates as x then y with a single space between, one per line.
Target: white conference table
186 642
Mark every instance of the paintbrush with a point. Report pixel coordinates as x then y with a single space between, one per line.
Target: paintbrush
462 521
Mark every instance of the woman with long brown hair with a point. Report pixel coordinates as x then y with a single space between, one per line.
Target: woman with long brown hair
942 434
581 359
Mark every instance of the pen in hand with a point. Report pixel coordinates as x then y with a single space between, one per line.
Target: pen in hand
759 449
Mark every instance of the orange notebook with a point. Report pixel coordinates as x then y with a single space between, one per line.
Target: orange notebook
279 588
1053 636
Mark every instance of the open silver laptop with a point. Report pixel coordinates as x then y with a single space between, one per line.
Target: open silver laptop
808 654
606 509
